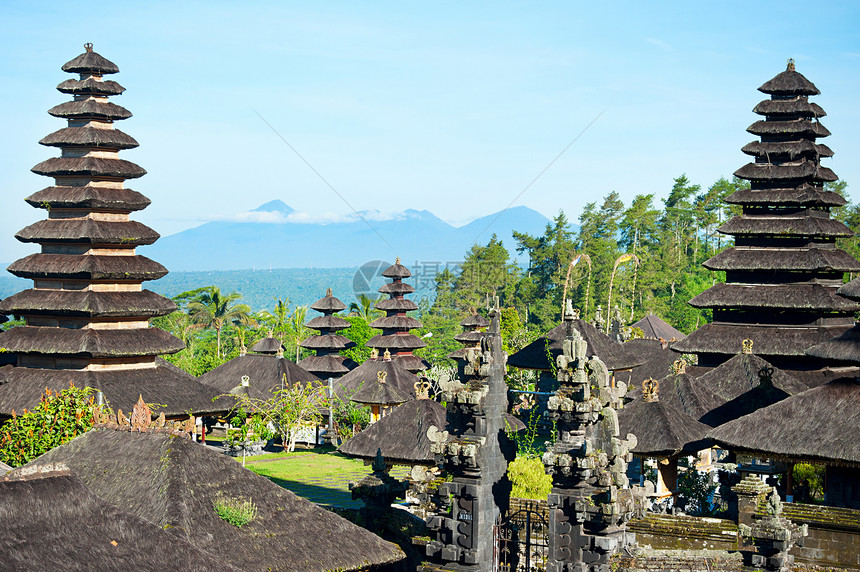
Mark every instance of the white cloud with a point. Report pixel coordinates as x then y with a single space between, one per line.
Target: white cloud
277 217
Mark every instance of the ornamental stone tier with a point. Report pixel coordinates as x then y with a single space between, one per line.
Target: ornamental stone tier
327 342
784 268
395 325
86 319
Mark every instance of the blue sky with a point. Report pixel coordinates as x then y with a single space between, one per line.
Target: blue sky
442 106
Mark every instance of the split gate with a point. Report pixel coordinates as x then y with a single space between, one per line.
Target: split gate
521 539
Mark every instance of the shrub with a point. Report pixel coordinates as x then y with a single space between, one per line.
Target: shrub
529 478
235 511
57 419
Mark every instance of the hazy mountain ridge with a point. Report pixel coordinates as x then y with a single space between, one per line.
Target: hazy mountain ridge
417 237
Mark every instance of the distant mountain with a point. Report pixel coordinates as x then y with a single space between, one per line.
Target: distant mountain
276 236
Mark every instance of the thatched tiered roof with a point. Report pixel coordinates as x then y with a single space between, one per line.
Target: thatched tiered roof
266 373
784 268
615 355
473 331
86 319
818 424
844 348
653 328
174 483
57 523
395 325
327 342
368 372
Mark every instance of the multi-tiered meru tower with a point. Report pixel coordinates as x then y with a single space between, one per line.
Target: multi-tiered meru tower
784 269
328 343
395 325
86 319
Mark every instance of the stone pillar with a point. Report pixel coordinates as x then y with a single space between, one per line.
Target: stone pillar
772 537
475 450
588 463
750 491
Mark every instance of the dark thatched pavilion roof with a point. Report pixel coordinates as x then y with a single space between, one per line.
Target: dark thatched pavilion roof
90 62
661 429
173 482
177 391
819 424
57 523
378 392
265 372
368 372
769 340
744 384
612 353
851 289
656 362
268 345
654 328
402 434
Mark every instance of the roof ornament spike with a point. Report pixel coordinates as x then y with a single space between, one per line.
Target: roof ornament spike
649 390
386 356
790 66
374 353
89 47
328 292
380 376
397 260
746 346
422 388
679 366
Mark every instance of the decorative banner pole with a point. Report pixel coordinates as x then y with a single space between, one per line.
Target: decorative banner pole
570 266
618 262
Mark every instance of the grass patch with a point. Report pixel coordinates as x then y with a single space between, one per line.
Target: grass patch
236 511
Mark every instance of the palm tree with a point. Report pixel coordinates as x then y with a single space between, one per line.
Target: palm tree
297 327
364 307
211 309
278 318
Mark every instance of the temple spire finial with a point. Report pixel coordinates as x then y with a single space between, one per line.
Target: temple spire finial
88 47
790 66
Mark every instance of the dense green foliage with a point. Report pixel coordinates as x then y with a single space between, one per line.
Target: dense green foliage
58 418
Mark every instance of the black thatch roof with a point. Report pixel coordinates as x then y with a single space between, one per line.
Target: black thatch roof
175 390
329 365
795 107
768 340
90 62
656 360
89 137
396 375
796 128
775 296
87 342
396 304
844 348
786 259
395 322
268 345
396 270
89 167
803 195
328 304
613 354
90 86
327 342
174 483
687 394
143 303
395 342
88 197
656 329
786 226
746 383
474 320
661 429
90 108
57 523
401 435
85 230
818 424
265 372
379 392
789 82
333 323
807 170
851 289
87 267
790 150
396 288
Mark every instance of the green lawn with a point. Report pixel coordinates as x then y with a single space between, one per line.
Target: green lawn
320 475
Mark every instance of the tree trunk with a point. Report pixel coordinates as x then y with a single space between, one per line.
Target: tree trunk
218 344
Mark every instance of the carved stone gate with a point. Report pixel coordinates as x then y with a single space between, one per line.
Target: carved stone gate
521 539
